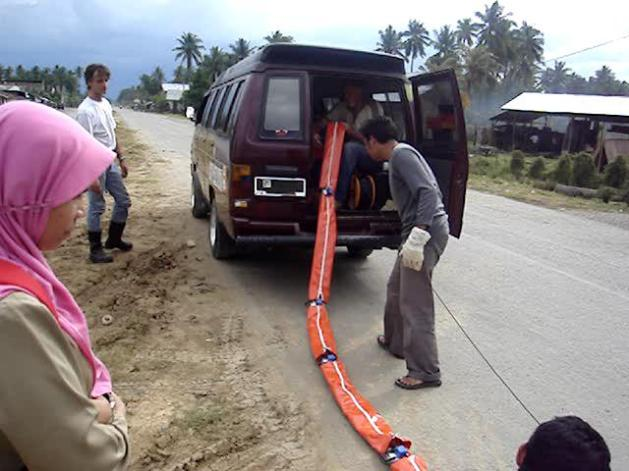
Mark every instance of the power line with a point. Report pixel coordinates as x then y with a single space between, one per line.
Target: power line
588 48
482 355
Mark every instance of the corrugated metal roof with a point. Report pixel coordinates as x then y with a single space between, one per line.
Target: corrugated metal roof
566 104
174 91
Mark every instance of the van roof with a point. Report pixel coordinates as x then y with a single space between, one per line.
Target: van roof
299 56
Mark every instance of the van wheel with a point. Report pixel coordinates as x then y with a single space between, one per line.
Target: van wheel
221 244
199 203
358 252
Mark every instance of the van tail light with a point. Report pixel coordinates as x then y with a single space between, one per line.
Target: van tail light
240 172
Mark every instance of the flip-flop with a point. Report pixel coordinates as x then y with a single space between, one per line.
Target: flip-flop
385 346
424 384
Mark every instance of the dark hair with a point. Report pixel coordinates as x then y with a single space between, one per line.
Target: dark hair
566 444
382 128
92 69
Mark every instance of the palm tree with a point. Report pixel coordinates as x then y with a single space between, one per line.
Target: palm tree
466 32
240 49
189 49
604 82
180 75
278 37
480 69
390 42
555 80
445 42
528 49
20 72
416 42
78 72
8 73
215 63
495 32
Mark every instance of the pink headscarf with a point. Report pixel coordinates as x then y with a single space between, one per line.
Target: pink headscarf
46 159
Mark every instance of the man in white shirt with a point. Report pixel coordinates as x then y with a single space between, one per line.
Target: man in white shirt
96 116
354 111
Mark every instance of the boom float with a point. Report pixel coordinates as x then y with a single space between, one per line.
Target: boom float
394 450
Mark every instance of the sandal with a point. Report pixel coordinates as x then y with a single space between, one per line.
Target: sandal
422 385
385 346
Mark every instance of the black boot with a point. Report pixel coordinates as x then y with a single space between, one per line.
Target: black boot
114 241
97 254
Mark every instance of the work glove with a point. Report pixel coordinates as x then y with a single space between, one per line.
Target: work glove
412 252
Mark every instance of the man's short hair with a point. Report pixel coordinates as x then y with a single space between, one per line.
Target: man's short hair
566 444
381 128
92 69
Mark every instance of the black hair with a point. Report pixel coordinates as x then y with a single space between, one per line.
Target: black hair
92 69
566 444
381 128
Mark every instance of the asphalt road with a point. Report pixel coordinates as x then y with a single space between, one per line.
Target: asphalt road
542 293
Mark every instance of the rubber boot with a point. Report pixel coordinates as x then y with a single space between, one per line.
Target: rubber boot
114 241
97 254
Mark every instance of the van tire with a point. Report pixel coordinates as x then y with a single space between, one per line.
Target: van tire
200 205
221 244
358 252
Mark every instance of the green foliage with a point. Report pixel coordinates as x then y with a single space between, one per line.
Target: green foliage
537 169
584 171
563 172
516 166
616 173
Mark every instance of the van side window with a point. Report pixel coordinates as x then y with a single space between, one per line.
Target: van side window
226 108
437 108
233 112
282 110
215 107
208 106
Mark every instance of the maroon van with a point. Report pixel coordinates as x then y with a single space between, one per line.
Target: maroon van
255 164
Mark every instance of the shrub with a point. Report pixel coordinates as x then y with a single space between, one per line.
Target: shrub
605 193
584 171
517 164
563 173
536 171
616 173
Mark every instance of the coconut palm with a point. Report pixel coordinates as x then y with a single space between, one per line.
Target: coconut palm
466 32
189 50
278 37
555 80
604 82
417 39
8 73
390 41
445 43
495 32
240 49
480 69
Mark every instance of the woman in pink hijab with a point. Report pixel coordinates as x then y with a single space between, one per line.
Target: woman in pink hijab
57 408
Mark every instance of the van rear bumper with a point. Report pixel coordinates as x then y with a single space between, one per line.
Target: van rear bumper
354 240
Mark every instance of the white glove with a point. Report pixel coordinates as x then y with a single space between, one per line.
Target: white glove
412 252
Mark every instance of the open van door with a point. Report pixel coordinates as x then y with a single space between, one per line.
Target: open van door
441 138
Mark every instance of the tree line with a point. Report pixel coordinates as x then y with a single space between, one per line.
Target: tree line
58 83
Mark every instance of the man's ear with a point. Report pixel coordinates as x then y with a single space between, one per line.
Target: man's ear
521 454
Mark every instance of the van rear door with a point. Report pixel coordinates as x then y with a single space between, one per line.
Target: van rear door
441 138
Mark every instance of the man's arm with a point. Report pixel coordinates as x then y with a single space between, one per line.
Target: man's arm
420 183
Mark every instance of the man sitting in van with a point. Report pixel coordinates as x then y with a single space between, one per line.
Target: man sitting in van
354 111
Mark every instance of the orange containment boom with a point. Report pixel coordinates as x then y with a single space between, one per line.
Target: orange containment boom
394 450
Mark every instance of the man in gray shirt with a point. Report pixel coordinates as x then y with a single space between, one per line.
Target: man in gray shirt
409 317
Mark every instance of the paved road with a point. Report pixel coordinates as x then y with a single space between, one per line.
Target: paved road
543 294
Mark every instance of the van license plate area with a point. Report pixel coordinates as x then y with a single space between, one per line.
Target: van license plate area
277 186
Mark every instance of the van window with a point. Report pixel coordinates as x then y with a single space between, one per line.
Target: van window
208 106
215 107
282 111
231 120
227 106
437 112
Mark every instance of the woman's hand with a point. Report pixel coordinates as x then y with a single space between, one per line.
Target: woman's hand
104 410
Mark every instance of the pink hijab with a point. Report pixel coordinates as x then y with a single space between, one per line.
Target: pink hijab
46 159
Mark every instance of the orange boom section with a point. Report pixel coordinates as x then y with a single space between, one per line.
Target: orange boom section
394 450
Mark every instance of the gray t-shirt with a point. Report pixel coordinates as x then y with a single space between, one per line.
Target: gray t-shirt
414 189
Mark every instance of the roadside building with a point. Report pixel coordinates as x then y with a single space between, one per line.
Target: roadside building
552 123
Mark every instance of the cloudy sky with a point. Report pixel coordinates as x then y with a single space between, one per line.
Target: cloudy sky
133 36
